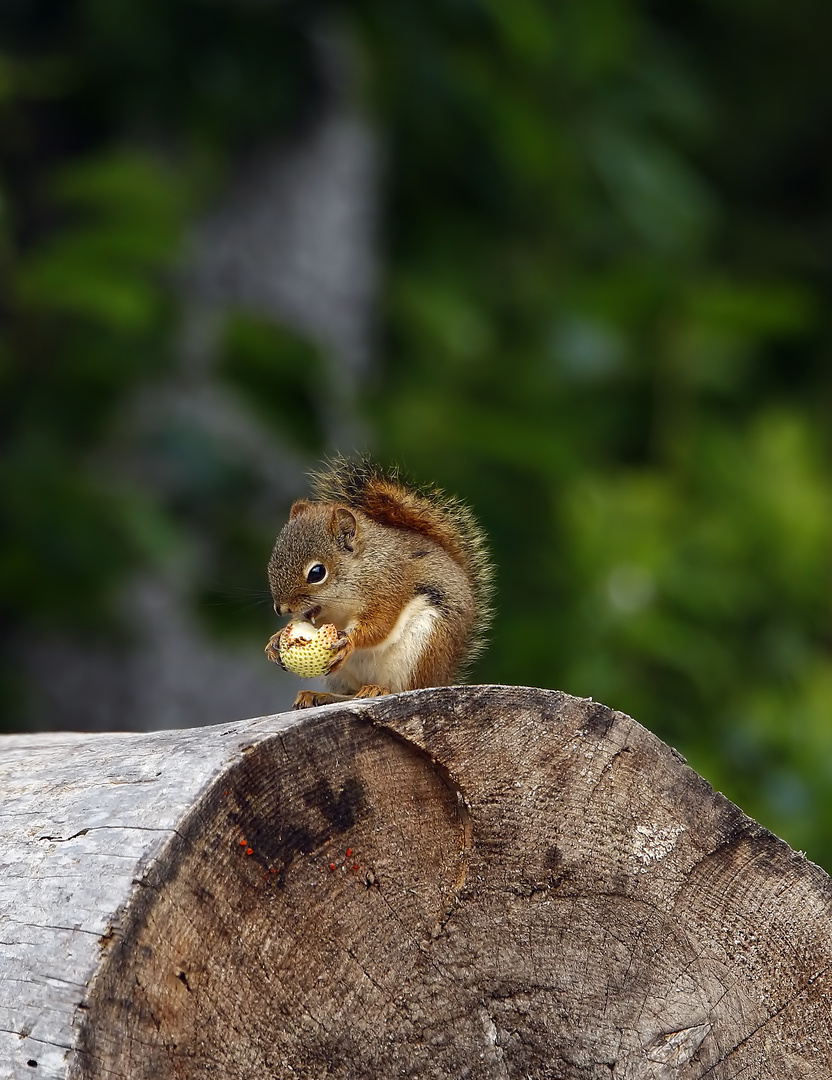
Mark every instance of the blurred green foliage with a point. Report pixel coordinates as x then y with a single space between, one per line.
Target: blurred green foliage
86 318
604 324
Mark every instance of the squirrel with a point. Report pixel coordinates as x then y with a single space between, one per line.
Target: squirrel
401 570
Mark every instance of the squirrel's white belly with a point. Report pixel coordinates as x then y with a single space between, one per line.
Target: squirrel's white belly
391 663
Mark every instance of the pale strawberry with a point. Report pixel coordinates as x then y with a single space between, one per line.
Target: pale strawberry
306 650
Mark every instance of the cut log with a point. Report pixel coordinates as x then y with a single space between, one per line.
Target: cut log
462 882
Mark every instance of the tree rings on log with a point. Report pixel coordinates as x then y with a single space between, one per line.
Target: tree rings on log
465 882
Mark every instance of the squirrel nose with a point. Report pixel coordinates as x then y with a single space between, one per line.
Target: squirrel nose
281 609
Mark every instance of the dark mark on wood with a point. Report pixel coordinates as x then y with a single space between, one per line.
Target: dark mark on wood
535 886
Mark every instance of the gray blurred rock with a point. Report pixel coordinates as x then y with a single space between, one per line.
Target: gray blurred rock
294 238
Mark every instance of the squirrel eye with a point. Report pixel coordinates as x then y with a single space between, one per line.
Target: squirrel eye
316 573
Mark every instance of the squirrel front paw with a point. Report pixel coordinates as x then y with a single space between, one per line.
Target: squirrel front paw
273 650
341 652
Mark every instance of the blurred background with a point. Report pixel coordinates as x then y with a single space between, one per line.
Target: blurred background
570 259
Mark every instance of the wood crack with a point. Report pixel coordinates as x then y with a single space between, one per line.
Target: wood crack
773 1016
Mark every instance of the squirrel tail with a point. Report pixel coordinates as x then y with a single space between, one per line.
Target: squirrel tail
385 495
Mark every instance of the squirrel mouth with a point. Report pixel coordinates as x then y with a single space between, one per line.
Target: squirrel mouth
312 614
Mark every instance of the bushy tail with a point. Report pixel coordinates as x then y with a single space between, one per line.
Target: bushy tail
388 497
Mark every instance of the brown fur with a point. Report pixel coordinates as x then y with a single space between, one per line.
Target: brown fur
392 552
390 499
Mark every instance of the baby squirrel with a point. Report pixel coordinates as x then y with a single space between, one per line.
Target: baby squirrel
402 570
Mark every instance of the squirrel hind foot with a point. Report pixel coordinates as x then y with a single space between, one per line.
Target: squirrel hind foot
371 690
310 699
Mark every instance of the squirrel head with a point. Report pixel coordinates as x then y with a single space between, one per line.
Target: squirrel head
314 568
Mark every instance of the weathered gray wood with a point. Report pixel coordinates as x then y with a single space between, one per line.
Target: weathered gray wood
481 881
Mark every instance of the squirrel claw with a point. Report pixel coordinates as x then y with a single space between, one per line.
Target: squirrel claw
272 650
343 649
309 699
371 690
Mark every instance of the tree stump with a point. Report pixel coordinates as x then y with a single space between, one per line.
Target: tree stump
461 882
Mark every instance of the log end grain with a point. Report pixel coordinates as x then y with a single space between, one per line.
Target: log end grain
480 881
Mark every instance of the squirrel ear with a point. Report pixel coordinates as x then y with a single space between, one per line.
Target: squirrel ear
299 507
343 526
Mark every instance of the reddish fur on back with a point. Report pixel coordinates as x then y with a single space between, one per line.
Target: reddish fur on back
385 496
392 505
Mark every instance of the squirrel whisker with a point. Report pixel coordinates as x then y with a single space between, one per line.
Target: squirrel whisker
404 566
